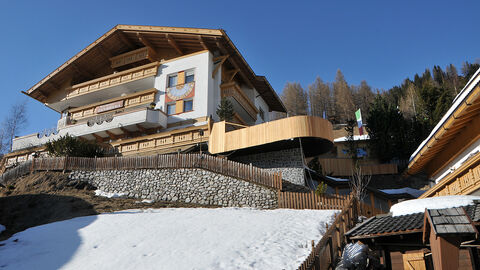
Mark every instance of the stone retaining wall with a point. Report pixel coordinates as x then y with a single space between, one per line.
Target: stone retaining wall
288 161
182 185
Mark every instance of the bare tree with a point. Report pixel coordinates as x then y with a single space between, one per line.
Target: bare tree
343 99
13 124
295 99
359 182
319 95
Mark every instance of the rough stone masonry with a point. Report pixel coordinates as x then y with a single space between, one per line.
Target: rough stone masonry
182 185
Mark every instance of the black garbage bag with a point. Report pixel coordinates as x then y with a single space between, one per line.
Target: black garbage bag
354 257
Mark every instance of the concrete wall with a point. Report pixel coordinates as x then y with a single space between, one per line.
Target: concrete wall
182 185
288 161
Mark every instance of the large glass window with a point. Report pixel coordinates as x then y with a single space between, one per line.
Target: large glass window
188 105
170 109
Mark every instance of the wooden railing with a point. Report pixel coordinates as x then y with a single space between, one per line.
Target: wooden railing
325 253
233 90
344 167
120 103
310 200
173 161
114 79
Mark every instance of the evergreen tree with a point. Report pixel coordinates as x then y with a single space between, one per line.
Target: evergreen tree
225 110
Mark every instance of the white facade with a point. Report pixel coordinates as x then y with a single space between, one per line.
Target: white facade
206 98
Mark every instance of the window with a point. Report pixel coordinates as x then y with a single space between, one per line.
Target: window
189 76
172 80
170 109
261 113
188 105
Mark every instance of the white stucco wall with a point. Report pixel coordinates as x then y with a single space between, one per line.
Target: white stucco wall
201 64
457 162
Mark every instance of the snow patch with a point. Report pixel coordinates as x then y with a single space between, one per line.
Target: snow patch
355 138
101 193
175 238
337 179
2 228
440 202
148 201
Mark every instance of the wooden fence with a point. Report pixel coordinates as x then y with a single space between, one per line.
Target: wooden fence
310 200
325 253
344 167
185 161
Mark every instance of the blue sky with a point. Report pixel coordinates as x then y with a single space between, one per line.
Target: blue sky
382 42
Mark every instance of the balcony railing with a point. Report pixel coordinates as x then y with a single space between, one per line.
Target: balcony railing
114 79
233 90
119 104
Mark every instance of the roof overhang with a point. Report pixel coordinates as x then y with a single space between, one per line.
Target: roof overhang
456 131
94 60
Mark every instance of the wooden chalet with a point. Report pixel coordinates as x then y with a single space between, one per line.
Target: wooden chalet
152 90
450 156
435 239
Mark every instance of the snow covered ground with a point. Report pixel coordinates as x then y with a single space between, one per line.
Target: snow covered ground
440 202
176 238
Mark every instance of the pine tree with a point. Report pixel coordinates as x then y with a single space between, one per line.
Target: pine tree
225 110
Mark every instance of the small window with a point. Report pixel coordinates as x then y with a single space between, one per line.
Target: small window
261 113
170 109
189 76
188 105
172 80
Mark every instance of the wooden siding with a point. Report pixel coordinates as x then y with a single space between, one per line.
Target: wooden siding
462 181
119 78
283 129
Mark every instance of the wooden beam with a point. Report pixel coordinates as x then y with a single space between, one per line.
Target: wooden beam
234 63
111 135
219 65
97 138
174 44
231 74
104 52
82 71
202 42
149 45
464 139
123 38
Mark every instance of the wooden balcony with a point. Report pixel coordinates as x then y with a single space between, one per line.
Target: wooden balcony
164 142
234 91
115 79
316 134
120 104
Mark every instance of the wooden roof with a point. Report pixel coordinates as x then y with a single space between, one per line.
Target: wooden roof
94 61
455 132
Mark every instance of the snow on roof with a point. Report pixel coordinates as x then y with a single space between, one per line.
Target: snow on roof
414 192
355 138
440 202
337 179
2 228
